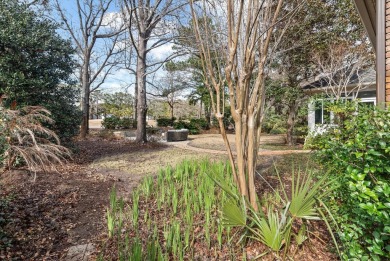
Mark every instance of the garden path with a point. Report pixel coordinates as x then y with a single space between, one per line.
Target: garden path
213 144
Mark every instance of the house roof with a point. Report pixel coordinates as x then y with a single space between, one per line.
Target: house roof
367 12
366 78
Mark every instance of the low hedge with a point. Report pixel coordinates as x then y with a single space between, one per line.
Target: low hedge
165 122
113 122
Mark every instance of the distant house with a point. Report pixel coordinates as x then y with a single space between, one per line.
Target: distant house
362 88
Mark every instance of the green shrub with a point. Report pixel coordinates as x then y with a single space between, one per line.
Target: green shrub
277 131
125 123
113 122
110 123
165 122
37 67
202 124
192 127
358 152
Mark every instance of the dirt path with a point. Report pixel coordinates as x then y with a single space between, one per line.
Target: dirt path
213 144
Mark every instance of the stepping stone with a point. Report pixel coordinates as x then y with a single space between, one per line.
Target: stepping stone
80 252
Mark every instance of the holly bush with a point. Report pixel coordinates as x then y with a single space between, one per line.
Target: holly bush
357 151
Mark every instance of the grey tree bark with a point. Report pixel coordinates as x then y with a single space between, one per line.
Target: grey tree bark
142 107
142 18
292 113
95 65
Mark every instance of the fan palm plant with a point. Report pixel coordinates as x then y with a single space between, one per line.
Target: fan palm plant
275 227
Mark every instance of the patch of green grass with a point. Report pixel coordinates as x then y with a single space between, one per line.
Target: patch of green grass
179 208
147 162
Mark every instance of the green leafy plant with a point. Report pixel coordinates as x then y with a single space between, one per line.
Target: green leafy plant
165 122
201 123
183 196
357 151
113 122
192 127
37 66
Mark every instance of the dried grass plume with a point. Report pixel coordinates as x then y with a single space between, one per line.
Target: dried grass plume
26 137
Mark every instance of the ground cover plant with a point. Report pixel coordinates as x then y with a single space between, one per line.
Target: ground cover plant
178 208
357 151
192 212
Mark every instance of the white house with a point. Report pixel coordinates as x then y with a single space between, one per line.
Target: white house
362 88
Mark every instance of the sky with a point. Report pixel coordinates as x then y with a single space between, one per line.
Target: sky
121 79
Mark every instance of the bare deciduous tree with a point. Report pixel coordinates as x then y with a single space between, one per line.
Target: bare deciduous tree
96 39
250 26
171 86
149 28
342 68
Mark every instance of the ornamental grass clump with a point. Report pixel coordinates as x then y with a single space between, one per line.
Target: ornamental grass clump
26 138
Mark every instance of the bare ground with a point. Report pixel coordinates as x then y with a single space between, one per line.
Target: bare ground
42 220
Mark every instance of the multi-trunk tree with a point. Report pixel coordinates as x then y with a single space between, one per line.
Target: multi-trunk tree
241 33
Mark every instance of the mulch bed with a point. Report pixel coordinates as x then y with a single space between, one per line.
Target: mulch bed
40 220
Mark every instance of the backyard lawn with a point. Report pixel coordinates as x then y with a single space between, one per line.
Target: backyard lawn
64 215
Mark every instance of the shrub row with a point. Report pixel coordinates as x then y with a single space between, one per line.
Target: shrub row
165 122
113 122
194 126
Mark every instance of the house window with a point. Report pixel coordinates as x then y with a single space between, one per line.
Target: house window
367 102
322 116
